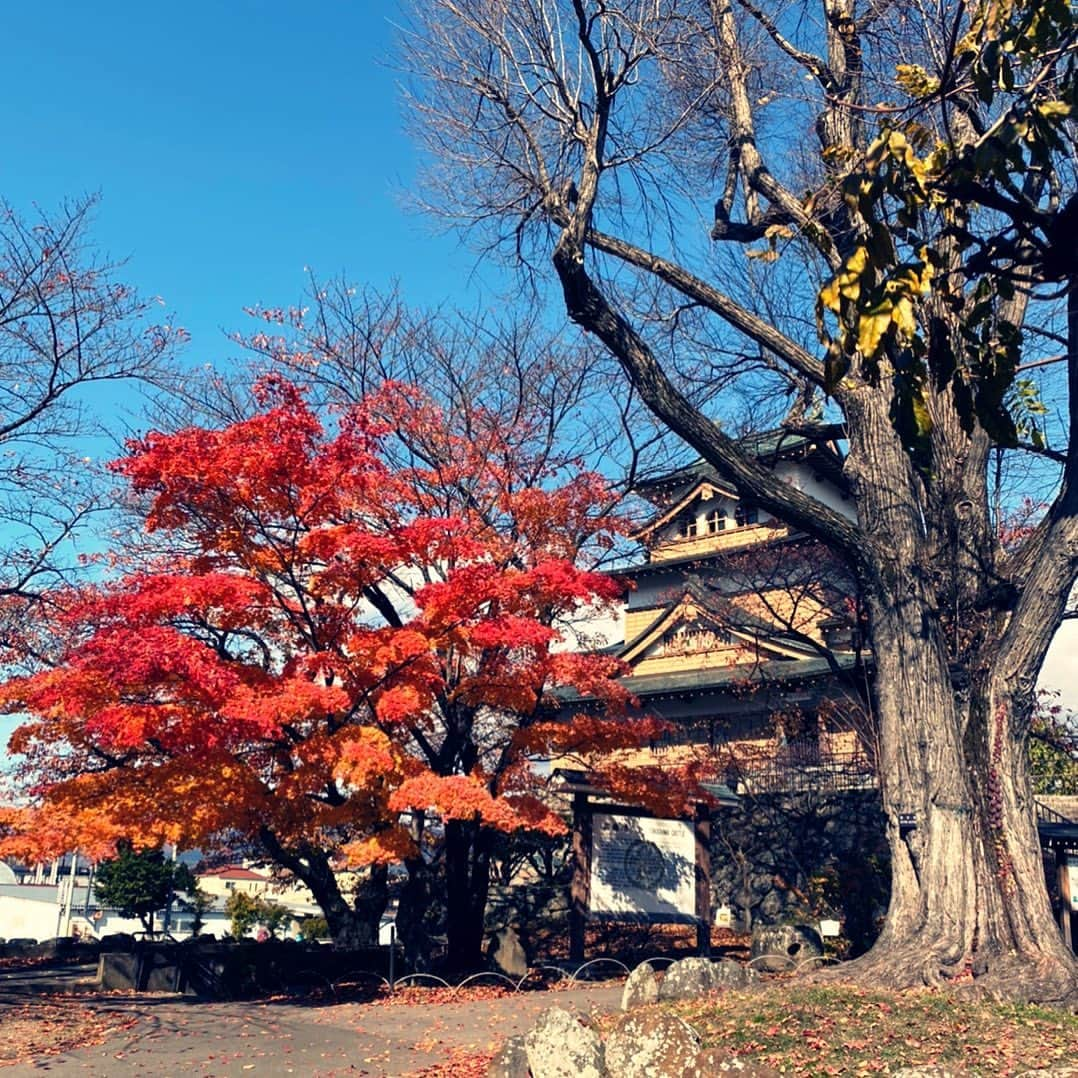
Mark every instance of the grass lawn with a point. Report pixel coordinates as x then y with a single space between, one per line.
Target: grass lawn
804 1030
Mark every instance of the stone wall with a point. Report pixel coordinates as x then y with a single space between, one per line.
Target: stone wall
785 857
774 858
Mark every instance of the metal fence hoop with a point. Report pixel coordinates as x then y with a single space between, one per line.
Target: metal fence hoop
575 976
539 969
790 963
422 977
487 973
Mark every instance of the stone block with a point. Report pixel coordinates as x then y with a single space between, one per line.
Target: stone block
119 970
780 948
641 988
511 1061
650 1043
563 1044
507 954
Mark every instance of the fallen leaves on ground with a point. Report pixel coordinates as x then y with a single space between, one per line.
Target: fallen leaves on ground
38 1028
850 1031
459 1063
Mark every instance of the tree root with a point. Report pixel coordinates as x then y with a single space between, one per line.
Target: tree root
1014 978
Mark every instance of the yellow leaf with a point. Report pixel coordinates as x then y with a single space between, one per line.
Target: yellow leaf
1050 110
903 318
871 327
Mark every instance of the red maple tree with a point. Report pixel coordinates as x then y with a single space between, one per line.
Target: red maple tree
329 657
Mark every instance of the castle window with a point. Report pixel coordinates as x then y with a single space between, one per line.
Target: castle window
716 521
687 527
745 514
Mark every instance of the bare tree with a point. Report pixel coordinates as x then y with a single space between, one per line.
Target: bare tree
68 326
916 238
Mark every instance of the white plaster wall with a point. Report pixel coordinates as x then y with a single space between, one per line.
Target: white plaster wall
797 475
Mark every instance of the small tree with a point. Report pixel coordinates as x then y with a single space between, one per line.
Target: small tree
243 909
139 882
200 902
273 915
247 911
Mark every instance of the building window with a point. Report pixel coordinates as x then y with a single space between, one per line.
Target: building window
230 885
745 514
687 527
716 521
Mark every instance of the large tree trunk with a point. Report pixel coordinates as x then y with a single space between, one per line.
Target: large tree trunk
467 877
968 892
967 889
353 921
414 915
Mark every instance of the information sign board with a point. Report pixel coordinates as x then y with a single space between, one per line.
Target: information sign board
1069 881
642 868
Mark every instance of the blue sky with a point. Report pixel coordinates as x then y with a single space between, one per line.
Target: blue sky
233 144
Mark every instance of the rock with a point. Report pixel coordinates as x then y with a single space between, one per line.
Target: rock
716 1061
641 988
648 1044
771 906
687 979
726 973
511 1061
779 948
692 977
564 1045
1051 1072
507 953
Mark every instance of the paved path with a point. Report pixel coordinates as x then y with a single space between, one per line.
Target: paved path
222 1040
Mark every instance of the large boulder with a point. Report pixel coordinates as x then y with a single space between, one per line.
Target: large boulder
780 948
726 973
687 979
641 988
647 1044
564 1045
693 977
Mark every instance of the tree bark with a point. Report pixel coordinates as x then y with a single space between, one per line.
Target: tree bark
352 924
467 871
968 895
967 889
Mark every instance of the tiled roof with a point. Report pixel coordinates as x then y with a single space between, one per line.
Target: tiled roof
775 671
236 872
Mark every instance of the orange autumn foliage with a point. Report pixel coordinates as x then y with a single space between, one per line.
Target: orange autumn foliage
327 642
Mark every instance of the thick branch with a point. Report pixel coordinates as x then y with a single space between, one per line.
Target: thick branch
1047 566
763 333
589 308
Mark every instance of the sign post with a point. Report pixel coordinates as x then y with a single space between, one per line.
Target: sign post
702 836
